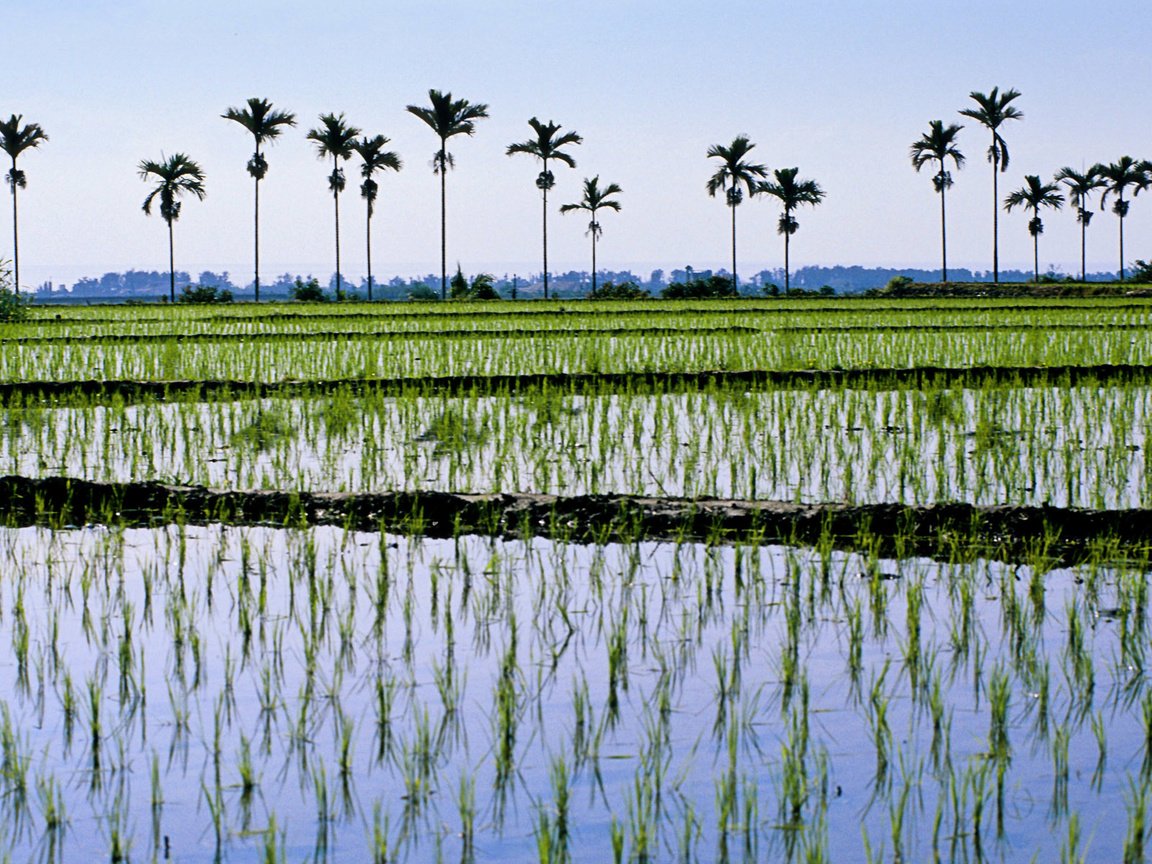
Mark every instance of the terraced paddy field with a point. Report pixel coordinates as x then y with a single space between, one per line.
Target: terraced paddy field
744 581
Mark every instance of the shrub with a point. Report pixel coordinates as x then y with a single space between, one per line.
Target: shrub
623 291
458 286
701 289
204 294
308 292
1141 271
420 291
13 307
482 287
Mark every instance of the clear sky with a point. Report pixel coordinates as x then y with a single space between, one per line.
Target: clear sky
839 88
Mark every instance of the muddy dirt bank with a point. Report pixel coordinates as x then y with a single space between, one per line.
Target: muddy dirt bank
31 392
939 530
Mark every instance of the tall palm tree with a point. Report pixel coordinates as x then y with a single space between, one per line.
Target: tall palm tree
1080 185
447 117
546 145
375 158
595 199
265 126
1117 177
334 137
1032 196
14 140
991 111
174 177
733 171
792 193
938 145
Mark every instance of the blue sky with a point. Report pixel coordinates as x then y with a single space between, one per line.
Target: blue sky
839 88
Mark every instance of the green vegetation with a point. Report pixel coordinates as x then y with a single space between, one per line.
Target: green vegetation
548 144
793 579
374 159
594 200
335 138
938 145
265 125
15 139
735 170
1033 195
13 307
994 109
791 193
204 294
175 177
447 117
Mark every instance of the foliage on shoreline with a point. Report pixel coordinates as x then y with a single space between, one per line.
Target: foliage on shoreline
904 287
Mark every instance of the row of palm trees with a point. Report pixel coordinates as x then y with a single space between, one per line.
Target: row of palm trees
736 175
336 139
178 175
735 171
938 146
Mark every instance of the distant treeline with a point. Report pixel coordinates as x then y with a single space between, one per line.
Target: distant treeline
151 284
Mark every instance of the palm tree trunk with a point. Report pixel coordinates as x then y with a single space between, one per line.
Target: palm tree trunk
171 266
733 208
995 213
545 231
1036 258
943 236
368 232
1121 237
787 269
336 202
443 157
593 255
256 233
15 233
1083 247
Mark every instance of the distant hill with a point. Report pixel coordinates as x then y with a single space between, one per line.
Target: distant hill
153 285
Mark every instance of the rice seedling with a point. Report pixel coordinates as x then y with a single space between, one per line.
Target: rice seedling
327 660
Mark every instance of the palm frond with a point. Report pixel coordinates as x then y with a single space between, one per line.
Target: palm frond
938 145
261 120
175 176
1035 194
734 171
447 116
15 138
333 137
548 143
375 157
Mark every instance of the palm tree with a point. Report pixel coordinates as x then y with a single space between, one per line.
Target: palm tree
792 193
447 117
733 171
376 158
992 110
1080 185
938 145
1117 177
334 137
14 140
1032 196
174 177
546 145
265 125
595 199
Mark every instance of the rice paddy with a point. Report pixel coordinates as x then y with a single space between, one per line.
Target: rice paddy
577 631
